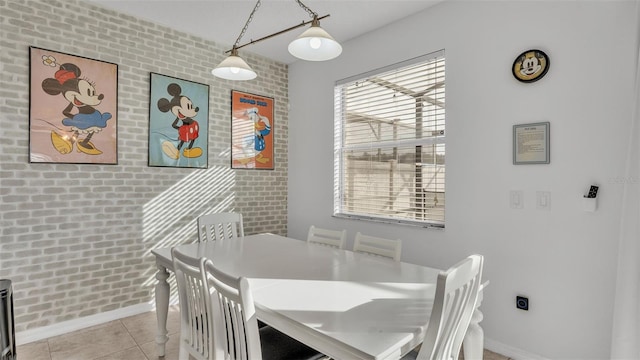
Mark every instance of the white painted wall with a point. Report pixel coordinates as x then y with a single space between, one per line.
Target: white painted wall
564 259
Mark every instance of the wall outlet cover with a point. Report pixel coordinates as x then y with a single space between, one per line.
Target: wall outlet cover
522 303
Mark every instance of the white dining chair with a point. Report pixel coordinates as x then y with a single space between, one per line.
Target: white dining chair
218 226
333 238
391 248
456 296
235 327
195 329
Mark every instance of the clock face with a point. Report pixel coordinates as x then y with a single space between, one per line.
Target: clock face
530 66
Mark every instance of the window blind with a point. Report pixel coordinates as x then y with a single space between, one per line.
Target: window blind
389 146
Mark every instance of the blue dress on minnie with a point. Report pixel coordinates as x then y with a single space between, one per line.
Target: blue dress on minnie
87 121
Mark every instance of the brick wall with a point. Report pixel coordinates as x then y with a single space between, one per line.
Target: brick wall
76 239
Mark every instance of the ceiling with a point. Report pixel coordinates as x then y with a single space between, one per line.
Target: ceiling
222 20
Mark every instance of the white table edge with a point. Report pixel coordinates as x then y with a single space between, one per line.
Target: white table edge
473 344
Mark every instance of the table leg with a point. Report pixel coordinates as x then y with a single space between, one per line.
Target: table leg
473 343
162 308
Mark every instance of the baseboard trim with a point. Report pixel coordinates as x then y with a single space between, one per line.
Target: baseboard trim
509 351
31 335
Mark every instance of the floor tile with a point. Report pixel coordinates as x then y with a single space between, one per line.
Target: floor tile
91 343
489 355
143 327
38 350
128 354
172 349
131 338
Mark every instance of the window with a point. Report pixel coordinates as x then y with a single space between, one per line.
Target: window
389 147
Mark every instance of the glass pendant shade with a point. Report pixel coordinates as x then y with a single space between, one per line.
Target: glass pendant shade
234 68
315 44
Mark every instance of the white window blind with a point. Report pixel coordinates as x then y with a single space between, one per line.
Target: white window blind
389 148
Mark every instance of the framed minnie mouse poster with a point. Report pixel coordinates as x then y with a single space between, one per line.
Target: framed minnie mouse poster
178 122
73 109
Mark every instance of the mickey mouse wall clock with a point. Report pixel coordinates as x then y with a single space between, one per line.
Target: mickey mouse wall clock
530 66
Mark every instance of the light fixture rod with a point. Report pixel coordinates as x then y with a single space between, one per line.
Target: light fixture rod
276 34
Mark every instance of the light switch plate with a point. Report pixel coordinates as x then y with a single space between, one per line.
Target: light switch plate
516 199
543 200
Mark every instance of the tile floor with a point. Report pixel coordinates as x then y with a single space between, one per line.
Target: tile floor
131 338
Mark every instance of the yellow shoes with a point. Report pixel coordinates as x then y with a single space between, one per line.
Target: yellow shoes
64 145
90 150
192 153
170 150
61 143
261 159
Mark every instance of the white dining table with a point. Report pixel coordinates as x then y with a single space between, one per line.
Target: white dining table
344 304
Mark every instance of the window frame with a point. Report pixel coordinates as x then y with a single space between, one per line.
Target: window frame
340 148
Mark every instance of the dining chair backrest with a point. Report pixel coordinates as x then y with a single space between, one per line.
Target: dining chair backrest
334 238
219 226
455 301
195 327
232 312
391 248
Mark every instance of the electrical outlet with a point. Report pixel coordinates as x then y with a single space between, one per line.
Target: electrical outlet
522 303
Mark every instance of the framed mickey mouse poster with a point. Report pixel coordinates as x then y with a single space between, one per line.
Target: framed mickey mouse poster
73 109
530 66
178 122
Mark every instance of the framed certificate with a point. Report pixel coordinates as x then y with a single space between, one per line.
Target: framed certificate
531 143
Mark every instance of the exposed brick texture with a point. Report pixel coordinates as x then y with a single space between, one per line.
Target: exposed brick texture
76 239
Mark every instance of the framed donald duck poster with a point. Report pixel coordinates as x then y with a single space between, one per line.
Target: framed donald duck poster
251 131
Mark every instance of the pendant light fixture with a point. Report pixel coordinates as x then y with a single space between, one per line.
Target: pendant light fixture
315 44
234 67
